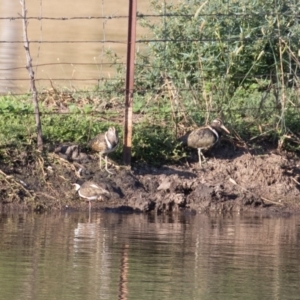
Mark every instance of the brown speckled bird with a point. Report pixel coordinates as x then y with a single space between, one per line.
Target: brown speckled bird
205 137
90 191
105 143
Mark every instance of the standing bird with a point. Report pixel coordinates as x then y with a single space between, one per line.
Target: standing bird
105 143
205 137
90 191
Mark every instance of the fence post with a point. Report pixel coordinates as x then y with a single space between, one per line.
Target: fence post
131 38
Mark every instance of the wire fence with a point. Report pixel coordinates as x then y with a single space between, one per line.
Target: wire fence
79 58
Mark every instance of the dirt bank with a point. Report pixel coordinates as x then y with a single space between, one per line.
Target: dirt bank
231 180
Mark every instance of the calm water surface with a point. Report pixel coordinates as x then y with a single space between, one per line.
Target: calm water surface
119 256
81 60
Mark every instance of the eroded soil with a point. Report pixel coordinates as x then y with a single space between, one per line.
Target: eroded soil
232 180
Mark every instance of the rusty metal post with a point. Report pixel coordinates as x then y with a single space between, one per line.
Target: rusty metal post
131 38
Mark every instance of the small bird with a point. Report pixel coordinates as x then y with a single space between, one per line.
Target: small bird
205 137
105 143
90 191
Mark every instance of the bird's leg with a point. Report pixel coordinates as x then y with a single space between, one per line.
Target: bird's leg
112 164
78 173
90 206
106 165
204 159
89 216
199 156
100 159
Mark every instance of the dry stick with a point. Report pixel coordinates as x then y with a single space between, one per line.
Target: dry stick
171 95
262 198
281 77
295 180
66 163
204 95
6 177
294 57
46 195
32 79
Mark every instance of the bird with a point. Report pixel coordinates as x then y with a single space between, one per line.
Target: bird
105 143
90 190
203 138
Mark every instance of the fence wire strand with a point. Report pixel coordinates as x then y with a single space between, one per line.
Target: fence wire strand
10 74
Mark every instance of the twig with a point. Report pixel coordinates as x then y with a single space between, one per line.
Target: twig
32 78
67 164
281 61
273 202
262 198
46 195
295 180
262 134
6 177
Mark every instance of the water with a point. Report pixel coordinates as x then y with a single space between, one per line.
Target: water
135 256
63 65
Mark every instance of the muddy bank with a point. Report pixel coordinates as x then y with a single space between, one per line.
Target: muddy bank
232 181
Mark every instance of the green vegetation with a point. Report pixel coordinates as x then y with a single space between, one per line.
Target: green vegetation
237 60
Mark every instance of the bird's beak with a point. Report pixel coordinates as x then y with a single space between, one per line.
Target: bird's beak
225 129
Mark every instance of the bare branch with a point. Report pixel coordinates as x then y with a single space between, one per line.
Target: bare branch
31 76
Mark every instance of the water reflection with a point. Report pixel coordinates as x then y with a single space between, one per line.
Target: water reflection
115 256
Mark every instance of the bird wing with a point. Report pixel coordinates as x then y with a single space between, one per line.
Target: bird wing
98 143
93 185
201 138
98 188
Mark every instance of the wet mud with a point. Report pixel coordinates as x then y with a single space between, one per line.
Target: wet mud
232 180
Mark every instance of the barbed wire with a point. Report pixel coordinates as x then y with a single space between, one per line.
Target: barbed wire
108 64
120 91
143 15
65 42
115 90
154 116
108 17
122 79
144 41
61 79
64 63
232 14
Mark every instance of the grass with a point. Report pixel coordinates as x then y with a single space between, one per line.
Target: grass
179 85
159 119
78 119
